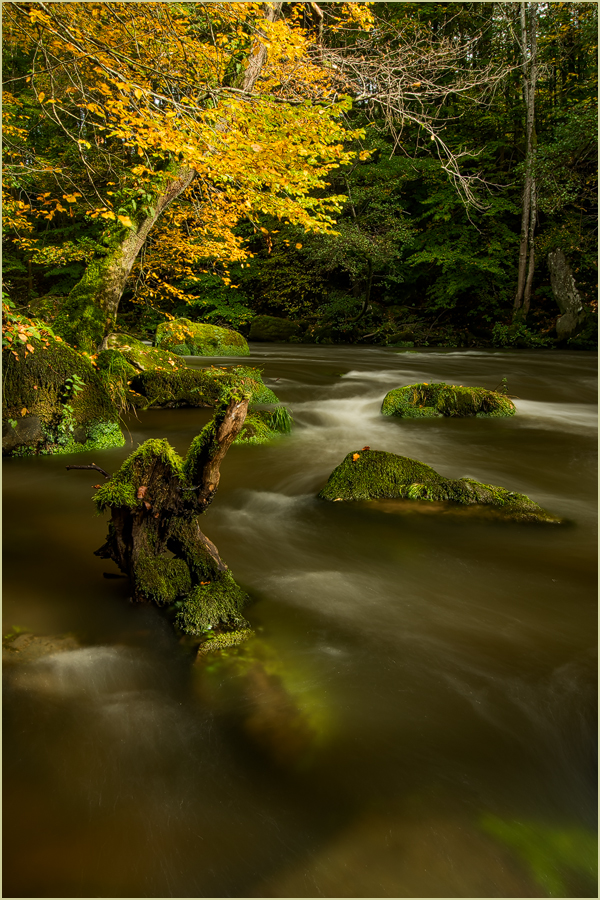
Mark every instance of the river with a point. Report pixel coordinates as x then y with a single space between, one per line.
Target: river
422 723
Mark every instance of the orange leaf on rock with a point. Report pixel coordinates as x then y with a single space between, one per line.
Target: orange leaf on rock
24 411
355 456
366 448
142 491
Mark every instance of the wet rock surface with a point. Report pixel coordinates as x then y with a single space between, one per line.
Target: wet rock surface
27 647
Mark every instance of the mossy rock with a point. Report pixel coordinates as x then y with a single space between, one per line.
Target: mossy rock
186 386
141 356
374 474
420 401
271 328
55 401
274 702
187 338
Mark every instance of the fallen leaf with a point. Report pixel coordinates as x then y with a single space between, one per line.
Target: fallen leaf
147 505
355 456
24 411
366 448
96 486
205 582
142 491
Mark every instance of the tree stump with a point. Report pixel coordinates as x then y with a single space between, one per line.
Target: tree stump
154 536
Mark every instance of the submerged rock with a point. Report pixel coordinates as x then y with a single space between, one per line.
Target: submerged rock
23 646
272 328
375 474
417 401
271 700
55 401
189 338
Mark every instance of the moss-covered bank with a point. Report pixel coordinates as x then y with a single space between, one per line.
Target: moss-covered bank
417 401
187 338
55 401
374 474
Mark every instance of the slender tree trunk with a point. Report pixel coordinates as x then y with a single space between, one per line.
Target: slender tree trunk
90 310
528 15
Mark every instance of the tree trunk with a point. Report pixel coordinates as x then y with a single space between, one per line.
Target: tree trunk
154 536
90 310
566 296
529 203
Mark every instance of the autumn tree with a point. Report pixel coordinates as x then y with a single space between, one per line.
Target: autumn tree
220 104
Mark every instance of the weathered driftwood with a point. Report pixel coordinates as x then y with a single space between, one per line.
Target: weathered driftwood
566 295
154 536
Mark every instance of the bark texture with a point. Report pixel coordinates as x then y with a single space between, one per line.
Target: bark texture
89 312
566 296
529 204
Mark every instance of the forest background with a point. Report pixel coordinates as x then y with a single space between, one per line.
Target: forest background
389 173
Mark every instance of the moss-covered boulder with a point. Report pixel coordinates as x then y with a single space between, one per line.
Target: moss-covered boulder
374 474
187 338
142 356
271 328
186 386
419 401
55 401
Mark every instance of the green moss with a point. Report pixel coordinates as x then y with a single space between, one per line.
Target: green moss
61 389
262 426
200 339
559 859
174 389
441 399
81 320
244 378
218 641
214 606
143 357
121 489
161 578
374 474
188 386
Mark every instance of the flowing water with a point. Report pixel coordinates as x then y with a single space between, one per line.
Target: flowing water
416 717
